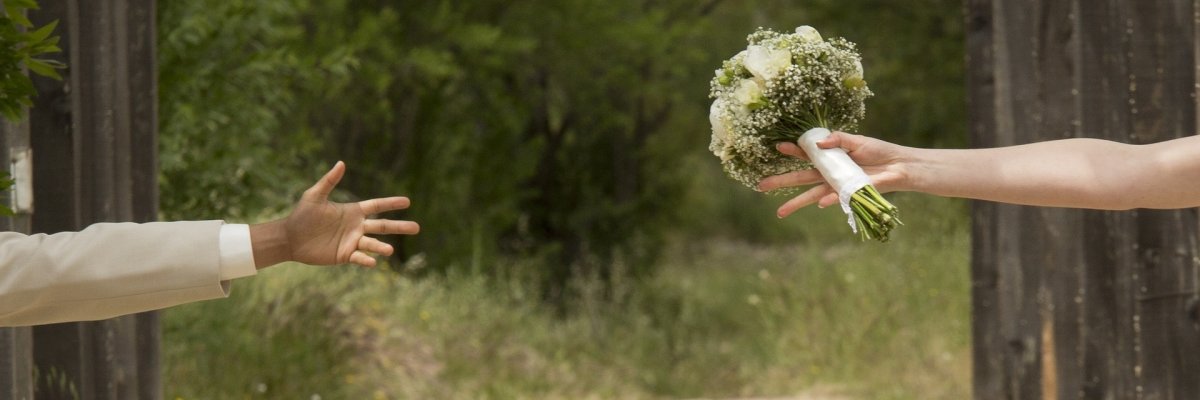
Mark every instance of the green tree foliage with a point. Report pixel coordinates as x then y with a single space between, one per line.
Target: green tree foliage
524 128
226 71
20 45
564 130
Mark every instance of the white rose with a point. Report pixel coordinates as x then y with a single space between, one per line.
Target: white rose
720 126
766 63
808 34
748 93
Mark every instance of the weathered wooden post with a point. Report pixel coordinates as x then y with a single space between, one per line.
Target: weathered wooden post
1072 304
16 344
93 140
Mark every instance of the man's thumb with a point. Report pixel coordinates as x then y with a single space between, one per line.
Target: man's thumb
320 191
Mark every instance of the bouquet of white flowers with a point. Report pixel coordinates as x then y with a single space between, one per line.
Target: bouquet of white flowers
796 87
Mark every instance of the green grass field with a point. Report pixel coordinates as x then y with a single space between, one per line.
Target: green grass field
806 309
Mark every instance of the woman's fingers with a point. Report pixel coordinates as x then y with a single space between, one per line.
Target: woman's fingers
804 199
794 178
791 149
834 140
828 200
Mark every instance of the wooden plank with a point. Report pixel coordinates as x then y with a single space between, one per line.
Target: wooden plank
1115 298
64 350
104 183
1109 237
96 116
116 361
143 171
121 199
1018 118
1162 107
16 344
1054 250
149 350
55 167
101 166
16 363
56 210
143 108
987 368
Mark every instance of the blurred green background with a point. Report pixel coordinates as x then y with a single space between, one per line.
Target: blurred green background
578 239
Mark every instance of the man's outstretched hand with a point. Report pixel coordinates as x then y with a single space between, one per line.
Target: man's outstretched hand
321 232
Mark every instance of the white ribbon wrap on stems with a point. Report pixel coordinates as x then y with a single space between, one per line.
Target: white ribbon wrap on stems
835 165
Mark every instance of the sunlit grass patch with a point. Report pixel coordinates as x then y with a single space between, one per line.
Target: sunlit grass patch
721 318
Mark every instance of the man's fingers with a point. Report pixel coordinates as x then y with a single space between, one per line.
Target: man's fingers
795 178
804 199
362 259
376 206
390 227
321 190
373 245
791 149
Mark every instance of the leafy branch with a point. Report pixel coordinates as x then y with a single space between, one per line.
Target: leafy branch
21 44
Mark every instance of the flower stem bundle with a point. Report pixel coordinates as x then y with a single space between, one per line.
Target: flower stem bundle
876 217
795 88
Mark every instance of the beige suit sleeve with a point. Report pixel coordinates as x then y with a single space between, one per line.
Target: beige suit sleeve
107 270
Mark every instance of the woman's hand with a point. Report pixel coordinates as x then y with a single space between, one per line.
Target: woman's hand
884 162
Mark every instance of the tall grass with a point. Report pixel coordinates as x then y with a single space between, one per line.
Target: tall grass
722 317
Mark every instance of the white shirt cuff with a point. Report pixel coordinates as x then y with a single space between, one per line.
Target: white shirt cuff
237 252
